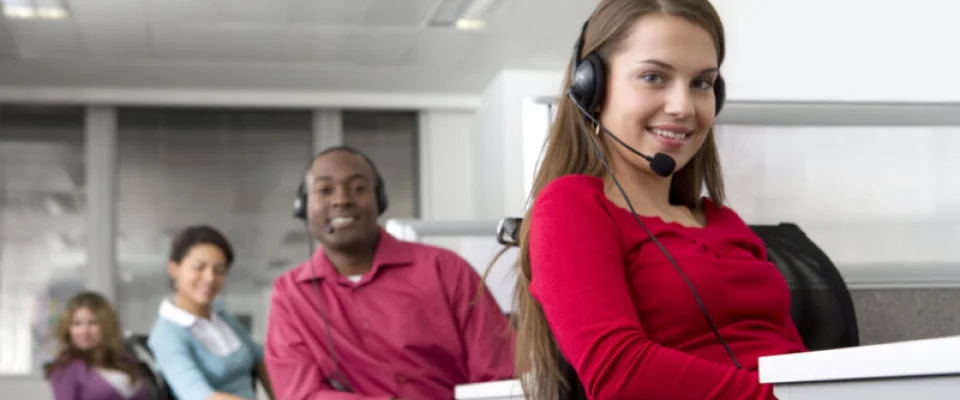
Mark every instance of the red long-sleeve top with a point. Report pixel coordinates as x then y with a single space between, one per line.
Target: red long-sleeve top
625 319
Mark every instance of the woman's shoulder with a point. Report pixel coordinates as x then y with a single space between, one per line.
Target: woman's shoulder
577 191
573 184
166 331
66 369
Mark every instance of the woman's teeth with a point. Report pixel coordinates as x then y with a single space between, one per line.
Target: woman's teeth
669 134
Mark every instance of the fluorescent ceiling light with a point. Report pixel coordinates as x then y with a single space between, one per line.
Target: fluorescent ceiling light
470 24
462 14
34 9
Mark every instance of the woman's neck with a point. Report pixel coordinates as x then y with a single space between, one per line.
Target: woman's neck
200 310
647 192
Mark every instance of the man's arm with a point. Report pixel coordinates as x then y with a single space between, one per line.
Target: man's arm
489 339
294 372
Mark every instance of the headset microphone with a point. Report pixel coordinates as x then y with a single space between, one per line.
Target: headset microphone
661 164
329 229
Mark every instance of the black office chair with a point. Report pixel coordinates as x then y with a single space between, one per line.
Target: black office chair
821 307
137 345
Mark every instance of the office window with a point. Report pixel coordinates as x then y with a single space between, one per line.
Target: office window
866 195
391 141
237 170
43 221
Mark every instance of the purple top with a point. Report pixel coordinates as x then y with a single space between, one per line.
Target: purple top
77 381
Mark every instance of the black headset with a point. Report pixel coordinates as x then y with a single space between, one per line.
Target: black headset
588 82
380 190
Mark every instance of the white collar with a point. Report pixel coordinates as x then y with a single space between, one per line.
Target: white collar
173 313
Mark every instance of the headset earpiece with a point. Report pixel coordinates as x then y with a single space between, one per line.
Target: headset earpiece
380 193
719 93
300 203
588 83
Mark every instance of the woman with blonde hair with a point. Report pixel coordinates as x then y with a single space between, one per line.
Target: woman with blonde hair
93 363
648 289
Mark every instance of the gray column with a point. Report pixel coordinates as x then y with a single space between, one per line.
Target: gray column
100 133
425 151
327 129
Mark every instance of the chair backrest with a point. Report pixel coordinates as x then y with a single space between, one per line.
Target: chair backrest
821 306
137 345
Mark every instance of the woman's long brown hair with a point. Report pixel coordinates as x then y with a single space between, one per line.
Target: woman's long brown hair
110 353
568 152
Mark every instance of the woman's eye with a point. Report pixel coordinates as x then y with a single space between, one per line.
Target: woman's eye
652 78
703 84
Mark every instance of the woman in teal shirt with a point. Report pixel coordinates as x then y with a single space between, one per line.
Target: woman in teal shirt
203 353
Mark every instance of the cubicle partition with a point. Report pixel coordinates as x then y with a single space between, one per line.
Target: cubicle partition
475 241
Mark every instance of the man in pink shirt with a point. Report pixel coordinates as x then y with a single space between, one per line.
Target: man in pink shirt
372 317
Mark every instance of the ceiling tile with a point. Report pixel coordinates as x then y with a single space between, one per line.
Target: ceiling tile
411 13
257 44
442 47
46 38
378 46
182 42
271 12
313 44
181 11
115 40
552 53
329 12
88 12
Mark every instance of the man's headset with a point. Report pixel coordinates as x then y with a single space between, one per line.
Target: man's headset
380 190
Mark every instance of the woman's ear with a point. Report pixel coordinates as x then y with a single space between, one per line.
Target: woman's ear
172 269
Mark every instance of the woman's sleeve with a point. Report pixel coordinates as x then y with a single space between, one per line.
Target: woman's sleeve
65 382
578 276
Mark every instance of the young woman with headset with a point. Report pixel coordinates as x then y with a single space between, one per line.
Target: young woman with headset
648 289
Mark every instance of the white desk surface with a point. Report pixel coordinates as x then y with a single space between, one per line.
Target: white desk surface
926 357
489 390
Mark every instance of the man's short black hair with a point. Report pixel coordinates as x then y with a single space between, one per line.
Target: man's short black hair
343 149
